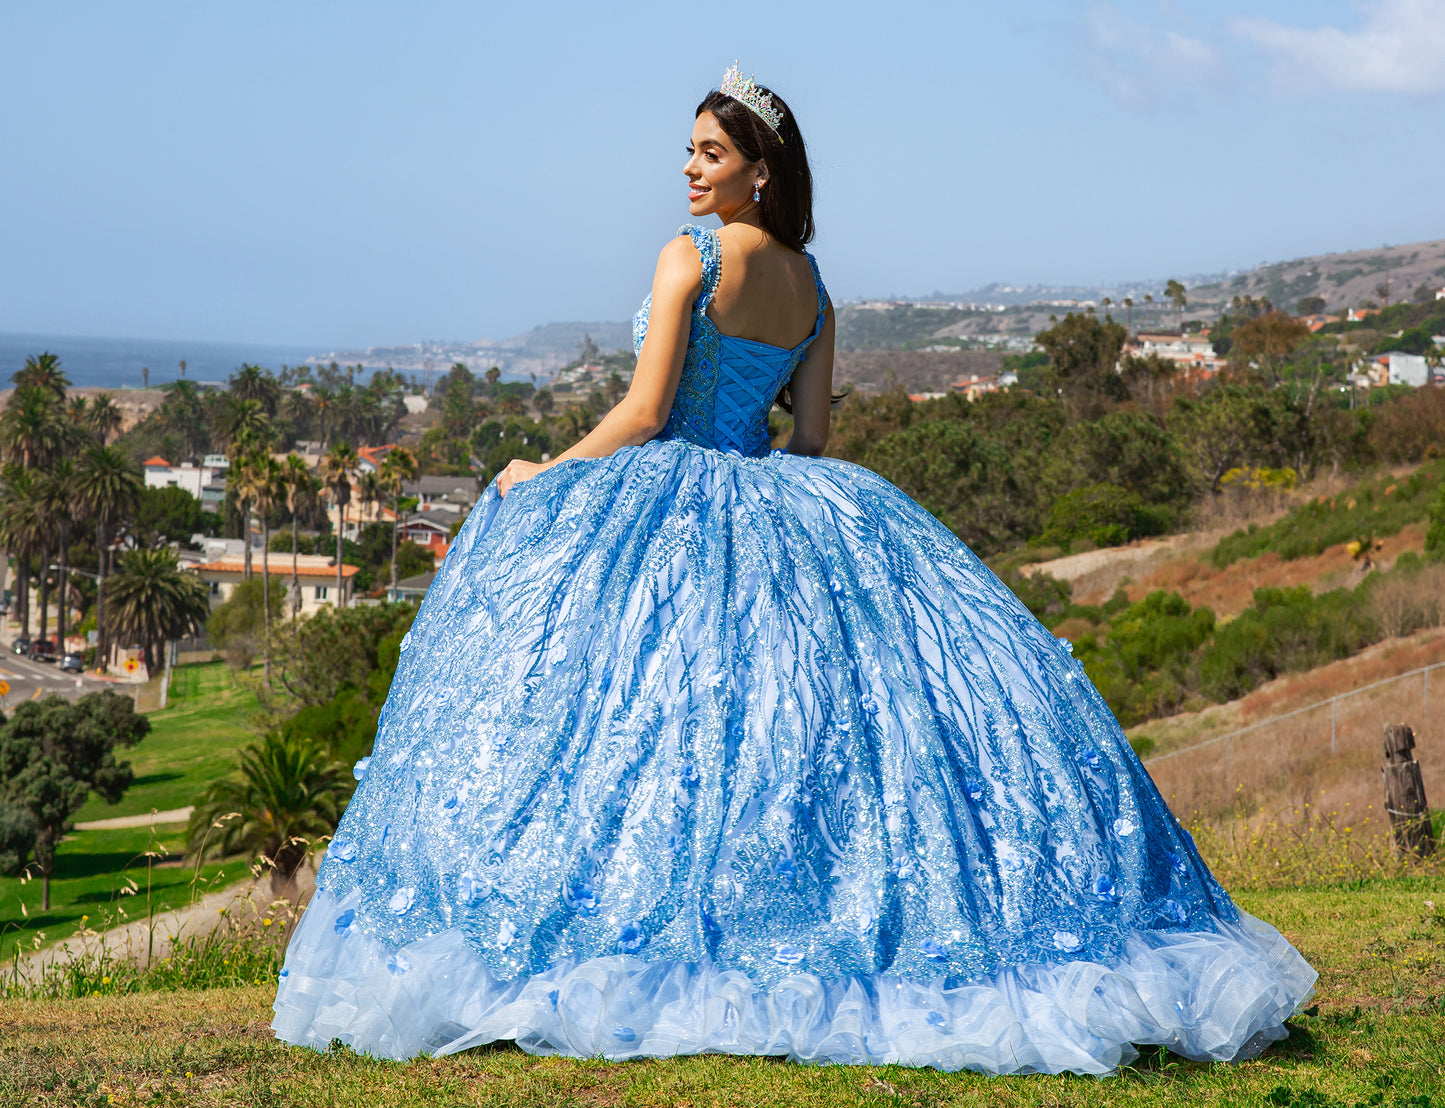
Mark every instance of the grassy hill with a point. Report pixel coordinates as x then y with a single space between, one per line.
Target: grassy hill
1344 279
1373 1037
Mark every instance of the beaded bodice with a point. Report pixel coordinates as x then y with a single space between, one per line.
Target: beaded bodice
728 384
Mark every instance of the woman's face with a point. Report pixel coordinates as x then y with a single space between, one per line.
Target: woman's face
719 180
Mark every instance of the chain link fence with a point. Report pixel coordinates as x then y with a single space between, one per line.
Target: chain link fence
1328 750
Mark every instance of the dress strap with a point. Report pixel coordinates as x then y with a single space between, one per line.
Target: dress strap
822 294
706 241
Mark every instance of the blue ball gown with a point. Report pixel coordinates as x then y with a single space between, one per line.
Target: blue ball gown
707 747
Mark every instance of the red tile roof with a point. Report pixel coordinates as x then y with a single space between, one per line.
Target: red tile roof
156 461
280 567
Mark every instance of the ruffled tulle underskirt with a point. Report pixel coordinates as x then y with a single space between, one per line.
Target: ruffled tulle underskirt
1221 994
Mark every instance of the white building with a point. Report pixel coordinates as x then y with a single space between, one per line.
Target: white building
316 574
1396 368
206 482
1189 352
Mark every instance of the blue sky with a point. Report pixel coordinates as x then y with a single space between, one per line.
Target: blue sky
364 173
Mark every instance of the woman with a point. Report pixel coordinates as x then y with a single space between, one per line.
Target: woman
697 745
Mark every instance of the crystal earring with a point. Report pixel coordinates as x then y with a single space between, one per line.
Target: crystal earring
757 196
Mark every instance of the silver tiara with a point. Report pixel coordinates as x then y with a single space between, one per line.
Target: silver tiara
746 92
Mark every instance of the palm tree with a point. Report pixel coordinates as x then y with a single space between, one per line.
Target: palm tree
245 477
153 600
21 514
185 415
267 487
298 411
43 537
285 793
251 382
58 488
336 470
33 427
369 492
42 372
242 423
108 487
325 403
397 468
1129 307
103 418
299 487
1177 295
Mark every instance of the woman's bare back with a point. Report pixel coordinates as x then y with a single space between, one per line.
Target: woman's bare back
766 292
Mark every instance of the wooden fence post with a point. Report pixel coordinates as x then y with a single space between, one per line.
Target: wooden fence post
1405 792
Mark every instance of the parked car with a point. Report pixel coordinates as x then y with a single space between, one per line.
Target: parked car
72 662
42 650
20 646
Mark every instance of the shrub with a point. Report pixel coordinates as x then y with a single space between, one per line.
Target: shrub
1106 515
1435 537
238 626
345 725
1378 507
334 649
1143 668
1283 630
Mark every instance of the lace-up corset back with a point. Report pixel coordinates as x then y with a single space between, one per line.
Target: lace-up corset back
728 384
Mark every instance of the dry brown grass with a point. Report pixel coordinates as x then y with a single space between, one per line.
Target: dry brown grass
1289 764
1230 590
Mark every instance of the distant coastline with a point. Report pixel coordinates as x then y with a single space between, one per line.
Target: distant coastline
92 361
97 362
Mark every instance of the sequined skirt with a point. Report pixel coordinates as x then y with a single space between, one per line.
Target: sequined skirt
691 751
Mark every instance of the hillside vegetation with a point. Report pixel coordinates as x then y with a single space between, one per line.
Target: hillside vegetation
1153 652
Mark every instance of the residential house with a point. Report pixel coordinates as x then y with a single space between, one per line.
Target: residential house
1192 354
206 482
411 588
449 493
975 385
1396 368
369 458
315 572
430 529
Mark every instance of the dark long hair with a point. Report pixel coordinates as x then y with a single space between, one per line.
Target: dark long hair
787 198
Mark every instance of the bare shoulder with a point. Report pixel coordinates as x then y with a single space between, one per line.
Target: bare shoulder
679 265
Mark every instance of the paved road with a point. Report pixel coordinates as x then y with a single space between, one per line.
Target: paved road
32 680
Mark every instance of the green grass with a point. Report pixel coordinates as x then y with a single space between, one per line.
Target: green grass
1372 509
1373 1037
193 741
94 871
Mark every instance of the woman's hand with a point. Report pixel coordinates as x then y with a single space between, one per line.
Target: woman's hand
517 470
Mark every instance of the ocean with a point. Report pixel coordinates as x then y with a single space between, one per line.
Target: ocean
90 361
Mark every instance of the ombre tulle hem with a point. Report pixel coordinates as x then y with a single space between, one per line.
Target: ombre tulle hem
1217 995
